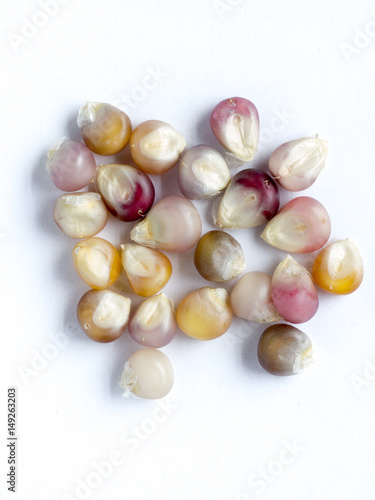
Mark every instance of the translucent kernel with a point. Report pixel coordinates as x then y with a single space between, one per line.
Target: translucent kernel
301 226
202 173
153 323
251 298
293 291
97 262
296 164
205 314
173 224
338 268
148 373
71 165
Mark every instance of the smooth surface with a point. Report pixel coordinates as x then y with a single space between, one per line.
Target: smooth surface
228 430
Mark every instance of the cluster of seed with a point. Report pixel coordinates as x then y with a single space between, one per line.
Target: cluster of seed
249 199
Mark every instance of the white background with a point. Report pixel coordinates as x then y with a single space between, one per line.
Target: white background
228 430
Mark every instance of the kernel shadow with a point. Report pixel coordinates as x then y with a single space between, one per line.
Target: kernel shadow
182 338
249 351
211 209
71 324
39 176
123 157
72 130
261 164
64 268
205 133
44 217
168 183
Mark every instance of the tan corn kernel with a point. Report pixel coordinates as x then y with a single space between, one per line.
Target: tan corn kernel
105 129
103 315
155 146
97 262
148 270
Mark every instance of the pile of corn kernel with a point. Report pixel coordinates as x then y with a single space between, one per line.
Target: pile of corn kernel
248 199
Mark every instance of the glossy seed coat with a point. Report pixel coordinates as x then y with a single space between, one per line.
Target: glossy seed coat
293 291
97 262
302 225
205 314
202 173
148 373
153 323
235 124
71 165
127 192
148 270
80 215
296 164
251 298
251 199
173 224
338 268
105 129
103 314
155 146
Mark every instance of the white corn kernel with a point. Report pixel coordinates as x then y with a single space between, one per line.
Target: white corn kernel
80 215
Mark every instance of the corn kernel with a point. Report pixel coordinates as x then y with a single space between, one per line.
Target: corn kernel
148 373
284 350
80 215
148 270
338 268
205 314
97 262
103 315
155 146
153 323
105 129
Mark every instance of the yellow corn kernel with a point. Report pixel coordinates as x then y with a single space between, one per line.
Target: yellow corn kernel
205 314
338 268
148 270
97 262
105 129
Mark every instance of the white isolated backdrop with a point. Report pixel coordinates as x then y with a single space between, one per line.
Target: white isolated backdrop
228 430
